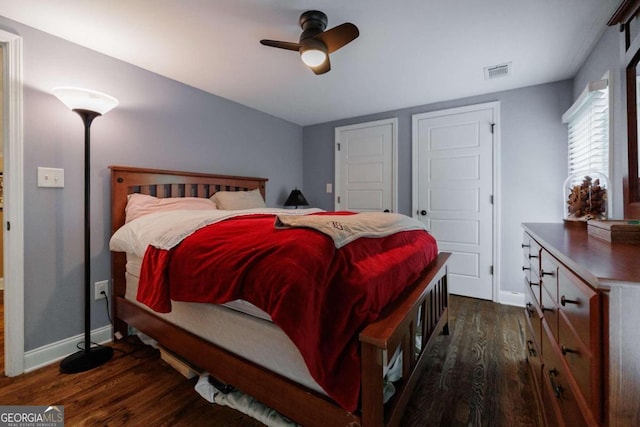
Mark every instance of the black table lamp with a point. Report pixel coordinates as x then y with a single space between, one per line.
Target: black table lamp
296 199
88 104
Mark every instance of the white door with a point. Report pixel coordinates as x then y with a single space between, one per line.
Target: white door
366 166
453 191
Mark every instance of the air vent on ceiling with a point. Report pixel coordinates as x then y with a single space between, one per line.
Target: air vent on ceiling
496 71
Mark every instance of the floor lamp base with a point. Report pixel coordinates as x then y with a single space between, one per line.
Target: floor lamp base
85 360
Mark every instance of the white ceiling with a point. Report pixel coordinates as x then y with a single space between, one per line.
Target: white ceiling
410 52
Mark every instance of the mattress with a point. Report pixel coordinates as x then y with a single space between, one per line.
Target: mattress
230 327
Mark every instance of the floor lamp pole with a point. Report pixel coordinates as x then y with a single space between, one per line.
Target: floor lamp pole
89 357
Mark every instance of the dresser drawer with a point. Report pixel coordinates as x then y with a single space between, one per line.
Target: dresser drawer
526 244
526 268
533 315
581 306
557 393
532 300
549 274
582 365
533 351
549 312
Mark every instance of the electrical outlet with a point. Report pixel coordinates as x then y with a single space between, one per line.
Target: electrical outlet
100 287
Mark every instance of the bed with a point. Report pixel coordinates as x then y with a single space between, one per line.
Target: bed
421 310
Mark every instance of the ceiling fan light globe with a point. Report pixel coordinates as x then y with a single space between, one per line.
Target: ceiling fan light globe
313 57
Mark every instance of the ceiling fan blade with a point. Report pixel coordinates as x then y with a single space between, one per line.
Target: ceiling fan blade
281 45
338 36
322 68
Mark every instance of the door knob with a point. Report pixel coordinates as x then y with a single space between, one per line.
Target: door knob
423 212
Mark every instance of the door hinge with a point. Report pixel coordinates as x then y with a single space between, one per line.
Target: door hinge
338 199
493 125
8 226
491 270
338 146
491 199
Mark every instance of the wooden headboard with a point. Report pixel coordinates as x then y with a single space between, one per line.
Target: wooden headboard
164 183
126 180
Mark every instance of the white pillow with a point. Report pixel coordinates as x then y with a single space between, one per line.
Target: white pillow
142 204
233 200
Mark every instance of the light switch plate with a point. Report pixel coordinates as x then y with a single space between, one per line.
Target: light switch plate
50 177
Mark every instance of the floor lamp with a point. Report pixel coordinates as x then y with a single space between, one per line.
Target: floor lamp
88 104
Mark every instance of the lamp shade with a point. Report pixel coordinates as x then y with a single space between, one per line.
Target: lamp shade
85 99
296 199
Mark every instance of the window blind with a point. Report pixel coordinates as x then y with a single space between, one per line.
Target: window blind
588 123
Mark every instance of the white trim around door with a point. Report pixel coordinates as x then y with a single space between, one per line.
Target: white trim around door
13 205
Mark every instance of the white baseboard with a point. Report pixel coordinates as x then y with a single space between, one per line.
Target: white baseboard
512 298
51 353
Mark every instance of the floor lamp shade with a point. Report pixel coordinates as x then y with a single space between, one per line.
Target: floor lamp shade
85 99
89 104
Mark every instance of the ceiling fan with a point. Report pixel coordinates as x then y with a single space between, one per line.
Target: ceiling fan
315 43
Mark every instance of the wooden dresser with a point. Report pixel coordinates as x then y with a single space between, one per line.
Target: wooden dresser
582 300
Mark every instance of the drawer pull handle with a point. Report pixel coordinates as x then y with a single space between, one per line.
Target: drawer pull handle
525 268
525 246
566 350
531 348
546 309
564 301
547 273
557 388
533 256
529 309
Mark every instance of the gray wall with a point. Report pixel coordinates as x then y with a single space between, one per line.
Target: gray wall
159 124
533 162
606 56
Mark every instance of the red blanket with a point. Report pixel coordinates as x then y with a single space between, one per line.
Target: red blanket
320 296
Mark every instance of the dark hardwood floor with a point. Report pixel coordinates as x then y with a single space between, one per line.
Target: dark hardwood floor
477 377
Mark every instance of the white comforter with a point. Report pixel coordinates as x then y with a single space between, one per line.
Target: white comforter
164 230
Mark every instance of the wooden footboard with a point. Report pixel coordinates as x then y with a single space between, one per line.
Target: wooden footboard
421 310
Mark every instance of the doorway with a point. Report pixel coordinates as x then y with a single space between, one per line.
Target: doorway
1 211
13 207
366 167
453 191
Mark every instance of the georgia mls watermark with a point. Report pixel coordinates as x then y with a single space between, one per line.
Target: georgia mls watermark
31 416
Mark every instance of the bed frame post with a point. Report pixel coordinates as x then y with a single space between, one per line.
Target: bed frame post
372 385
398 328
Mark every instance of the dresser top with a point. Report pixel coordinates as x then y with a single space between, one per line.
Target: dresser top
600 263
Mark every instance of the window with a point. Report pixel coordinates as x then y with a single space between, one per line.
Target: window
588 121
